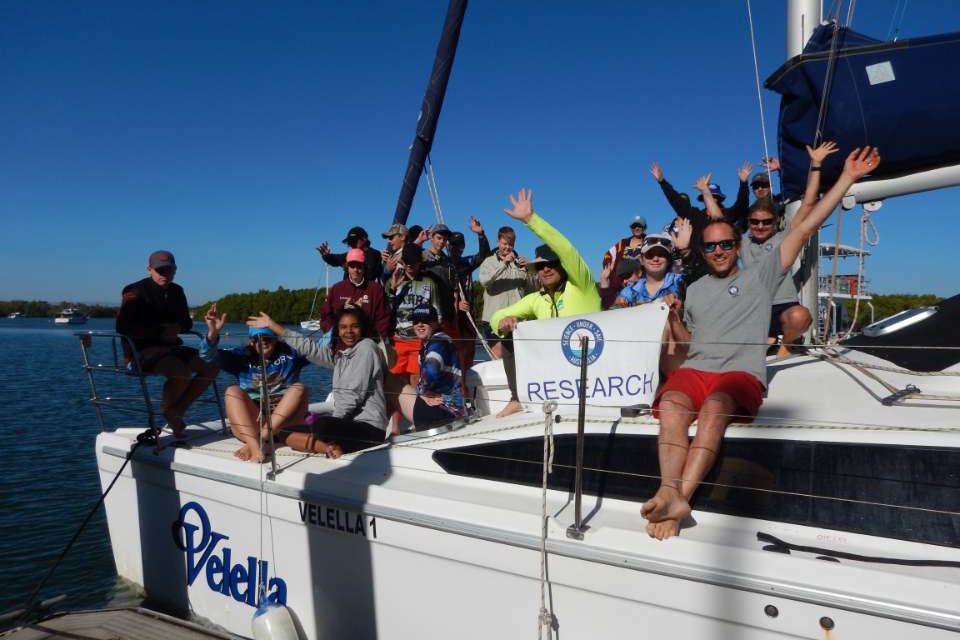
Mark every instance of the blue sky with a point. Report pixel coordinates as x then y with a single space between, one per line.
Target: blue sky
241 134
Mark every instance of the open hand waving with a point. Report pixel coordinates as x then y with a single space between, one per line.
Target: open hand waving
818 155
522 205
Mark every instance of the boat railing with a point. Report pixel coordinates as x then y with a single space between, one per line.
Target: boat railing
119 356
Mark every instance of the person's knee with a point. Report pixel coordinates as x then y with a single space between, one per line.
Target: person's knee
676 406
235 392
717 411
796 319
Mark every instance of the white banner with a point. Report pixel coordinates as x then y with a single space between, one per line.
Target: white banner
623 356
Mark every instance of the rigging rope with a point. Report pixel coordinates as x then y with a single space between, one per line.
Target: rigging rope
756 74
546 616
435 199
893 32
865 220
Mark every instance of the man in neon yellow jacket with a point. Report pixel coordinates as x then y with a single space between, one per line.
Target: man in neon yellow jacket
566 287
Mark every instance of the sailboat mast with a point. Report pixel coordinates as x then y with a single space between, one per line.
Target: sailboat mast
430 108
803 16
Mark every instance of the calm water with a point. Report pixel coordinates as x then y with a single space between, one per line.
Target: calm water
51 479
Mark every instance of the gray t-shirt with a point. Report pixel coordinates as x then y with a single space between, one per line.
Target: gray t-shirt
729 318
752 252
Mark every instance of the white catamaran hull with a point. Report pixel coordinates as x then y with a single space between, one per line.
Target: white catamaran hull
371 547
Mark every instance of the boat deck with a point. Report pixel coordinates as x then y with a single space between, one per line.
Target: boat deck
113 624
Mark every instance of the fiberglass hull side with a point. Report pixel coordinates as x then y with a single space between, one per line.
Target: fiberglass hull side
394 564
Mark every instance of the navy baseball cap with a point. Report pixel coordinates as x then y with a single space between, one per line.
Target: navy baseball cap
424 313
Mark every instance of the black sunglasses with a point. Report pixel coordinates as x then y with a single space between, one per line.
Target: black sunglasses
544 265
726 245
761 222
166 271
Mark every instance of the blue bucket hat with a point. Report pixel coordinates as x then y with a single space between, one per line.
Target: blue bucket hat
717 194
261 331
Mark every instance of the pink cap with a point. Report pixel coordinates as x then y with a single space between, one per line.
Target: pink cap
355 255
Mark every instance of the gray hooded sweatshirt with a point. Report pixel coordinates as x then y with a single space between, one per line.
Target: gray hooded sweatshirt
357 377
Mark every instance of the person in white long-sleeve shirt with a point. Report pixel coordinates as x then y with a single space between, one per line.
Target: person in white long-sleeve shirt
505 280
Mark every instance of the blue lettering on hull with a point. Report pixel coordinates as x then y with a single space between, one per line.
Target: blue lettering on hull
239 581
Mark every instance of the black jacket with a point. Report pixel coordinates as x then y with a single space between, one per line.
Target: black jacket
147 307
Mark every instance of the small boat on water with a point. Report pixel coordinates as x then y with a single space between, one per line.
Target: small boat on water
15 315
70 315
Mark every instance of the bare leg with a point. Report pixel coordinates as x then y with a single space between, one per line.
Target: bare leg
206 373
497 350
668 504
794 321
244 418
712 422
306 441
510 369
406 400
291 409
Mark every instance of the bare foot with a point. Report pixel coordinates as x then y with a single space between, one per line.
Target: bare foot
334 450
243 453
512 407
663 529
667 504
784 352
176 424
249 454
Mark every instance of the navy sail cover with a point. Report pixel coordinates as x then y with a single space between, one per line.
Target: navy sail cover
900 96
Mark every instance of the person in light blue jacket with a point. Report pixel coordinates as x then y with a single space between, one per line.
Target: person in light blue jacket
263 365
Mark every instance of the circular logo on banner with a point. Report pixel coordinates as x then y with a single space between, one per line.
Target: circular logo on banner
570 342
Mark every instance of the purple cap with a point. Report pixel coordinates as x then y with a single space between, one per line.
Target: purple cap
160 259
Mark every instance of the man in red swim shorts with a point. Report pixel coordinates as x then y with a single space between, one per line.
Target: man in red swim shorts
724 331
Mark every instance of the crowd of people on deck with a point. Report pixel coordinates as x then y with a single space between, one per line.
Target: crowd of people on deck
400 329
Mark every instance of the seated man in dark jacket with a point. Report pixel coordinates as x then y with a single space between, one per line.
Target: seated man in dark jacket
153 311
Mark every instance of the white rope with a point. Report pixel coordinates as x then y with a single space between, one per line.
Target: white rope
546 616
756 74
893 32
851 8
434 192
865 220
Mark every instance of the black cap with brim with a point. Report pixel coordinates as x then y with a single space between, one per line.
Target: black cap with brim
543 254
355 233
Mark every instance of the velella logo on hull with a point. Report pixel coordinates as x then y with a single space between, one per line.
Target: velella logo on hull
193 534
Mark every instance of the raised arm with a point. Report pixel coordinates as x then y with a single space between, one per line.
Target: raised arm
714 212
859 163
577 270
812 191
681 207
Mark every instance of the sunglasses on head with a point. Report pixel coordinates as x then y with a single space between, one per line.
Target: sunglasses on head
544 265
761 222
726 245
657 242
